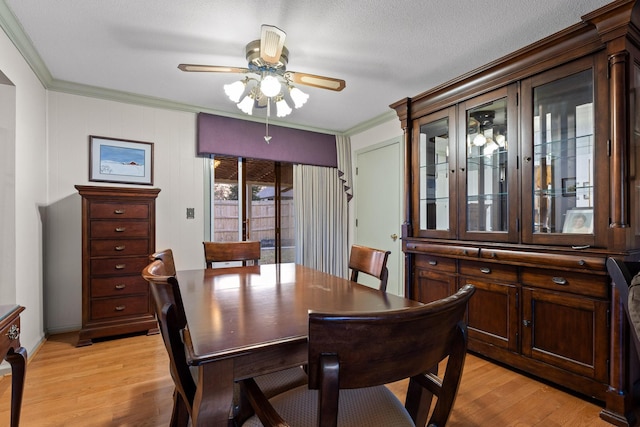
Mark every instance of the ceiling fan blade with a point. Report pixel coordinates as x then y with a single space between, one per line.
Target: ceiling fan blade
271 43
211 68
316 81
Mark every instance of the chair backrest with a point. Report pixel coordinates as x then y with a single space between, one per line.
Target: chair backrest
231 251
369 349
166 256
369 261
172 319
622 274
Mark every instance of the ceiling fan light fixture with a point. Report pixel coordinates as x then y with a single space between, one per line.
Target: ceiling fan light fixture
270 86
235 90
299 97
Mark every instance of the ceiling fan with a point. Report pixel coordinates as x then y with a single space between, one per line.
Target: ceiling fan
266 77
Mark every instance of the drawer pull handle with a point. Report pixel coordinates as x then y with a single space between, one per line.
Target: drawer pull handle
493 255
433 262
14 332
120 248
120 229
120 307
582 262
485 270
559 280
120 286
120 266
464 252
118 211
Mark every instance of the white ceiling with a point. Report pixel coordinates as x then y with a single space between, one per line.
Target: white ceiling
385 50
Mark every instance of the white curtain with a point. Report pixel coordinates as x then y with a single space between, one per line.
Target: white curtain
321 219
343 149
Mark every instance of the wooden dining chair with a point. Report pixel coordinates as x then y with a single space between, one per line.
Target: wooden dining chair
369 261
625 275
231 251
172 319
166 256
352 356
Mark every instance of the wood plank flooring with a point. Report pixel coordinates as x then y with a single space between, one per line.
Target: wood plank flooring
126 382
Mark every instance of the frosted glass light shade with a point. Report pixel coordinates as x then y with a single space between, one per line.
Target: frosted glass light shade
235 90
270 86
298 96
283 108
246 105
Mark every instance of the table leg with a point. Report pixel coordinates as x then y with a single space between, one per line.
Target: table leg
214 394
18 361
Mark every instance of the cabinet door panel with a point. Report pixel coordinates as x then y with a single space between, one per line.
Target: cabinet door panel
432 286
434 174
487 181
493 314
567 331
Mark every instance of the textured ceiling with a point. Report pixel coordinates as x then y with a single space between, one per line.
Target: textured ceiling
385 50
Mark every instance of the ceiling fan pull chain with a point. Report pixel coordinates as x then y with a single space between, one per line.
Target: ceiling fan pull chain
267 138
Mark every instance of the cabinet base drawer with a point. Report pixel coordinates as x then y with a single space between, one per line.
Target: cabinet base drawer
119 307
562 281
119 266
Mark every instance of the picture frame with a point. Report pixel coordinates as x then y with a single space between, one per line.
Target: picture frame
578 221
569 187
120 160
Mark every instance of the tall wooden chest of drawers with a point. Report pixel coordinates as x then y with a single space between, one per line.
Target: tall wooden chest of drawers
118 234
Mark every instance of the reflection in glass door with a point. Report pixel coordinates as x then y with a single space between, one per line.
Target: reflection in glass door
253 200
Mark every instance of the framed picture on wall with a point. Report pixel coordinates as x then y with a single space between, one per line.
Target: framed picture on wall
120 161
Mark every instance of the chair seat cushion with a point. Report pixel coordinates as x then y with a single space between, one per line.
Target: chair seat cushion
373 406
278 382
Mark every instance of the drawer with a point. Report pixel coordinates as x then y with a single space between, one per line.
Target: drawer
119 210
577 283
120 247
118 286
490 271
436 263
109 308
118 266
119 229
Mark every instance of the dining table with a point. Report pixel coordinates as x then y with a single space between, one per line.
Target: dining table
248 321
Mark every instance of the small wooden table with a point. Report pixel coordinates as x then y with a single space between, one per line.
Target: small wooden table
13 353
248 321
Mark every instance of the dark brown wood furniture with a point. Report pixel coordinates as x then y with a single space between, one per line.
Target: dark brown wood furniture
263 323
166 256
172 320
622 274
523 181
370 261
231 251
13 353
118 234
352 356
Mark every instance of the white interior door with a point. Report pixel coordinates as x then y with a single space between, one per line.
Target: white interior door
378 210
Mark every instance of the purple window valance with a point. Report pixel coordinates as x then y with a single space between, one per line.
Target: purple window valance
240 138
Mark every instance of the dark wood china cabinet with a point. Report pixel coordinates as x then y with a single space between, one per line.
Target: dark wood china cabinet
523 180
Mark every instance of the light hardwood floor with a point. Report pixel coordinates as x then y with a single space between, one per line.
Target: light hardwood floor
126 382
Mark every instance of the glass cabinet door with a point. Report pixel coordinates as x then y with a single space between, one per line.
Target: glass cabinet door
487 150
558 172
434 174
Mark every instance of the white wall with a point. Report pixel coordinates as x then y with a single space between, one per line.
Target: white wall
177 172
30 192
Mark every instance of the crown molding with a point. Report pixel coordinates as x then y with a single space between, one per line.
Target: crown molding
383 118
18 37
